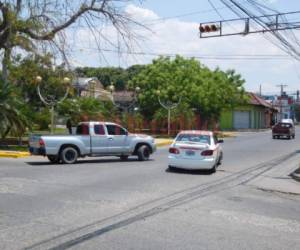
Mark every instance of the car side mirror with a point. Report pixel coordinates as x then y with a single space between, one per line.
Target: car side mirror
220 141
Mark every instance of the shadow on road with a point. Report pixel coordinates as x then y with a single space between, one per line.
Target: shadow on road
80 162
190 172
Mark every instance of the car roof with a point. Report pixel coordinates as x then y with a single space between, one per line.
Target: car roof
286 121
196 132
95 122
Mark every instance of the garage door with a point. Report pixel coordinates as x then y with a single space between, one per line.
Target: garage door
241 119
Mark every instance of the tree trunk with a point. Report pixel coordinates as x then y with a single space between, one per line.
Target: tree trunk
5 64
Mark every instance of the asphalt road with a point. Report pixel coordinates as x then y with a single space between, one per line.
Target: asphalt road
108 204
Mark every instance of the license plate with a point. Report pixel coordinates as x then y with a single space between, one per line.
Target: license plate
190 153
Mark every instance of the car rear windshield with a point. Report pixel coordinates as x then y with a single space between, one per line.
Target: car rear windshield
194 138
285 125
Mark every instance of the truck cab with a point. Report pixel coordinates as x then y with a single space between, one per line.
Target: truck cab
93 139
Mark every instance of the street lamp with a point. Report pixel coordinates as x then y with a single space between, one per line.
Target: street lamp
168 105
51 100
131 103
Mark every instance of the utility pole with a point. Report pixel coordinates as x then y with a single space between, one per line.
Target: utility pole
259 89
281 86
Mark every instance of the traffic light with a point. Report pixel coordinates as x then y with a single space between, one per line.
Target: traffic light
209 28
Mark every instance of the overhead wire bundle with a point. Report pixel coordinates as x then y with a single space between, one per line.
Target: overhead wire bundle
261 16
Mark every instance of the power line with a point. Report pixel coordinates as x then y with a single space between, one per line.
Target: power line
162 19
262 25
281 86
206 57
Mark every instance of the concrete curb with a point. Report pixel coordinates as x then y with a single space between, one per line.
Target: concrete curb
163 142
13 154
228 134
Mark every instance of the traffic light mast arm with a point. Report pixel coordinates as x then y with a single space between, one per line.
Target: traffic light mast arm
210 29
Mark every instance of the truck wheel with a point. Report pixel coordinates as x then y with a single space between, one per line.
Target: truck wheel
53 158
69 155
143 153
124 157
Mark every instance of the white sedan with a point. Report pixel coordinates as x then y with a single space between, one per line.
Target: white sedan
195 149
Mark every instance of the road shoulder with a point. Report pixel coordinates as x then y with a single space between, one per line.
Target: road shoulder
280 178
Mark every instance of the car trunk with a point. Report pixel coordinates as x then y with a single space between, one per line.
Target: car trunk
282 129
191 151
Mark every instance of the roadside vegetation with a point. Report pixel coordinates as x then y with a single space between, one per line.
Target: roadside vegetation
197 89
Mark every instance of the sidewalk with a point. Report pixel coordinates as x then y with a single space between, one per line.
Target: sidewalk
279 179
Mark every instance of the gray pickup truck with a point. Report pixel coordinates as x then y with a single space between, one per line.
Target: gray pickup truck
92 139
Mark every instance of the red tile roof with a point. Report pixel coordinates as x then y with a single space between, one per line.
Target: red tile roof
256 100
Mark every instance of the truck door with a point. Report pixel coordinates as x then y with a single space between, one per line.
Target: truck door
118 141
99 140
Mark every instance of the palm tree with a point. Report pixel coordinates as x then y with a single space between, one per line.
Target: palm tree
12 121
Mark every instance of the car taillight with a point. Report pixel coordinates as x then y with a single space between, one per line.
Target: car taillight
41 142
207 152
174 151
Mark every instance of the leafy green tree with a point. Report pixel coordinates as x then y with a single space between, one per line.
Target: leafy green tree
28 24
199 88
86 108
23 76
108 75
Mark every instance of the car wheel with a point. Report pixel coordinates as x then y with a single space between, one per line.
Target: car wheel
171 168
289 137
69 155
274 137
143 153
214 169
124 157
293 136
220 159
53 158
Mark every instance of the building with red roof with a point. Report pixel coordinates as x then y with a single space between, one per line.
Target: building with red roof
257 113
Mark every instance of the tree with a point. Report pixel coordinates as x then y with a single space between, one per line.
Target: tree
23 74
11 118
85 107
29 24
199 88
108 75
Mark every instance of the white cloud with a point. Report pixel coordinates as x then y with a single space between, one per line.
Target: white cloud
140 14
174 36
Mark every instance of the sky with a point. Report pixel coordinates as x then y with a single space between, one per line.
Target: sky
172 28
